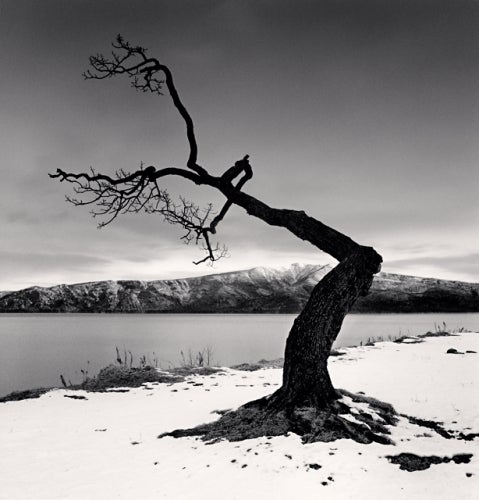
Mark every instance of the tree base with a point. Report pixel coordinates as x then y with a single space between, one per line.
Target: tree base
352 416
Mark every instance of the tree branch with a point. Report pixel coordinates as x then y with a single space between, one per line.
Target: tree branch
139 191
227 178
133 192
144 71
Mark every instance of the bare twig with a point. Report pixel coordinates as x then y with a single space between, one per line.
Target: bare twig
124 192
145 73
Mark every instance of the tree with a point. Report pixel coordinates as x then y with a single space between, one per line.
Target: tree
306 381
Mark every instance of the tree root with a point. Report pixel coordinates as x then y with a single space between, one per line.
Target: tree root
364 423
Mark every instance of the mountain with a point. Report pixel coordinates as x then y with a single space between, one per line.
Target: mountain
257 290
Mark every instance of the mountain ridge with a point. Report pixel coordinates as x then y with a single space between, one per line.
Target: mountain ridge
255 290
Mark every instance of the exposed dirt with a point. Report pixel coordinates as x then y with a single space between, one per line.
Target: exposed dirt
114 376
262 363
120 376
439 333
430 424
412 462
337 421
184 371
29 394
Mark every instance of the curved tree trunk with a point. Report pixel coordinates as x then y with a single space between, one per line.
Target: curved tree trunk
305 376
306 379
306 402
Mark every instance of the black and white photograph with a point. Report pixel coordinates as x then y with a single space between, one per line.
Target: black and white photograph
239 252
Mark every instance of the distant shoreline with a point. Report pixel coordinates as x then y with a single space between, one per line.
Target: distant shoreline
252 291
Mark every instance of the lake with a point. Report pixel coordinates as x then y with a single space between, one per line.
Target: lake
36 348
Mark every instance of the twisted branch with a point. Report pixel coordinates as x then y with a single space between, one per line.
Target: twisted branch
144 72
139 191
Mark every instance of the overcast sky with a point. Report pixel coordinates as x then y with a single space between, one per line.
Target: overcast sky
365 114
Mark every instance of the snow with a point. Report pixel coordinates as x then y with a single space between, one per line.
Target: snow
106 446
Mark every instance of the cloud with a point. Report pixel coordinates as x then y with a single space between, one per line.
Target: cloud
465 266
366 122
21 217
21 269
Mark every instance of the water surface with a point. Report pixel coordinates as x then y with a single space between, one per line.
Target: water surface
36 348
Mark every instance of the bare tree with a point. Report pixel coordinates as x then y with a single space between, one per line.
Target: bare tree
306 381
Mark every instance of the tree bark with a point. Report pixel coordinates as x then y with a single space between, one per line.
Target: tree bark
306 402
300 224
306 379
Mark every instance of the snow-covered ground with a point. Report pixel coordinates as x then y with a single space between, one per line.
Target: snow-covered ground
106 446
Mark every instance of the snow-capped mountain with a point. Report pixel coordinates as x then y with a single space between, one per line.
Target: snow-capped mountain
257 290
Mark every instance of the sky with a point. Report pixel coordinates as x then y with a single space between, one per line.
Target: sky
363 113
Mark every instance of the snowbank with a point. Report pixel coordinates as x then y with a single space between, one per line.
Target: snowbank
106 446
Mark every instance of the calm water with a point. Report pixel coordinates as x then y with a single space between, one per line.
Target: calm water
36 348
